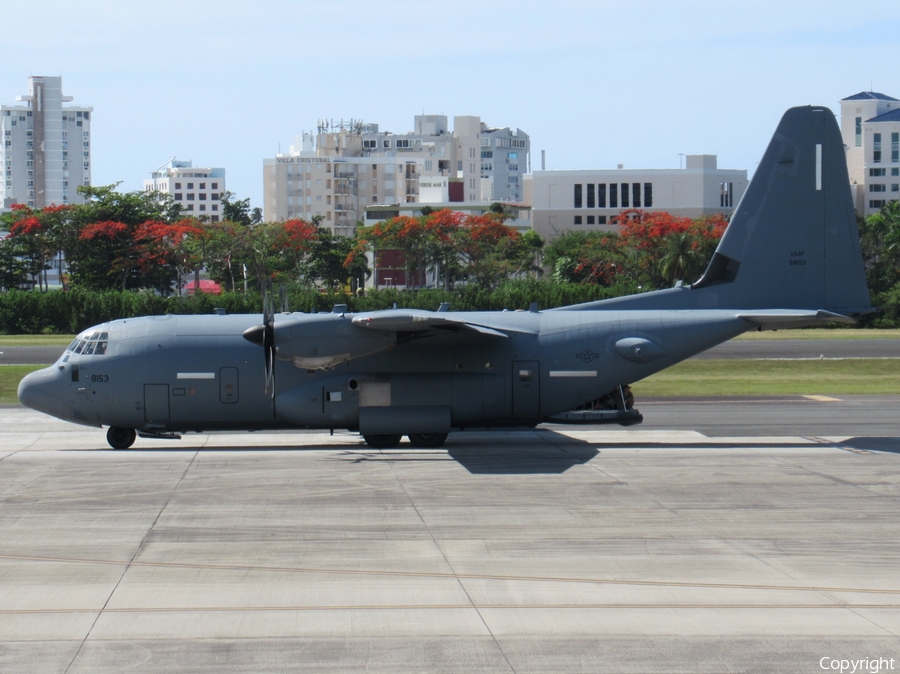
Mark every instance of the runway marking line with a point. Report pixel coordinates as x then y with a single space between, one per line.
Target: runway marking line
467 576
823 399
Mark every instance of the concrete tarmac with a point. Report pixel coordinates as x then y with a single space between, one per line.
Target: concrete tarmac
563 549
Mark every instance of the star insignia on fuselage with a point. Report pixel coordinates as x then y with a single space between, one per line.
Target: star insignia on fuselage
587 355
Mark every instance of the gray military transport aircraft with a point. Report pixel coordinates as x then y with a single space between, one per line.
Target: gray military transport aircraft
789 258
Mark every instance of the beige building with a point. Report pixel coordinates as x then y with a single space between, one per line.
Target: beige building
346 166
590 199
870 126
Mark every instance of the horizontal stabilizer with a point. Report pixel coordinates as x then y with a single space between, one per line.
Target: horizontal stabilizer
775 319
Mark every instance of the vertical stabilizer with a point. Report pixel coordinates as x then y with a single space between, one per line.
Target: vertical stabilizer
792 242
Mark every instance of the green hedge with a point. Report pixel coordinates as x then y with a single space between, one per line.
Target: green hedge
73 311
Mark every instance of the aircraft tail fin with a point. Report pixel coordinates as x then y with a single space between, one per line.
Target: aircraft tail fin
792 242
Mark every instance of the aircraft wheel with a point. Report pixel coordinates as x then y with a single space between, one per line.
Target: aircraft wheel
382 441
120 438
427 440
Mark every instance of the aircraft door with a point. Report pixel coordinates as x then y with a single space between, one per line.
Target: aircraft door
526 386
228 385
156 402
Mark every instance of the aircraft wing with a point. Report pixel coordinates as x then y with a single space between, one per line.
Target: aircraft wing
420 321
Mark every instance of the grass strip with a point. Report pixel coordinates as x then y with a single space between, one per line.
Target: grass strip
860 376
10 376
35 340
822 333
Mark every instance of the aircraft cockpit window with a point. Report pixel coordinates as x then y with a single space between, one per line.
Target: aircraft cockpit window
91 344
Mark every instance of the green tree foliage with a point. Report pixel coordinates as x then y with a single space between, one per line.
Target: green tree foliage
650 250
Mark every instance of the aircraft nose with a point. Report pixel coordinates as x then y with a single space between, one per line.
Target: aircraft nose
42 391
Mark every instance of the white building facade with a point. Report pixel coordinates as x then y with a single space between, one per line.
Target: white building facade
590 200
46 151
197 190
870 127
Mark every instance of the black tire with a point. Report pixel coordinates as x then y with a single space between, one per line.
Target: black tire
383 441
120 438
427 440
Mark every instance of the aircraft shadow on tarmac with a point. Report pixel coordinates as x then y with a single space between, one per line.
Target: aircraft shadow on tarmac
873 444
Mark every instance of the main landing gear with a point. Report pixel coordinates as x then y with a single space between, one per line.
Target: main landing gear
424 440
120 438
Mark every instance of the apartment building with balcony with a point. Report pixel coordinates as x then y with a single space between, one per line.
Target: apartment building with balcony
346 166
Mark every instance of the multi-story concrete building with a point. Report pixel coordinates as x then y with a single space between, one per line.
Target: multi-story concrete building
197 190
46 151
870 126
345 167
590 199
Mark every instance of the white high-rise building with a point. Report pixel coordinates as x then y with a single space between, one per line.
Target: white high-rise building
46 150
197 190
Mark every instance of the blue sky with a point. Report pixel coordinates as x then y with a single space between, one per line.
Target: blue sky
594 84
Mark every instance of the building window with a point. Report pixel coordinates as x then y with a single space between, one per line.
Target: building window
624 194
877 187
202 207
601 196
370 144
190 207
577 219
178 196
726 196
876 203
215 207
386 143
648 195
201 197
487 154
591 203
402 142
895 147
578 196
876 172
214 186
895 171
601 219
895 187
876 148
190 196
190 186
590 219
859 132
636 195
613 196
177 186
